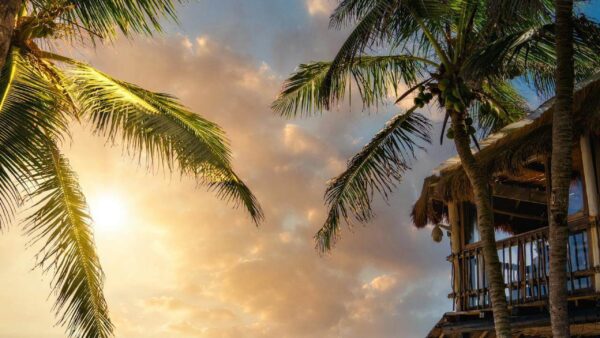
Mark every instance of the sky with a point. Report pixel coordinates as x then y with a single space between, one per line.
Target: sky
181 263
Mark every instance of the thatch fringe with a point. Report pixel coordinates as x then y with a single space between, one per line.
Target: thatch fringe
423 211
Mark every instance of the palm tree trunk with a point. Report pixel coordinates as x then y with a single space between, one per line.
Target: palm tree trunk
8 13
482 197
561 168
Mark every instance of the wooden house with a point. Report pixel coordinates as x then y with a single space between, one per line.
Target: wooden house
517 159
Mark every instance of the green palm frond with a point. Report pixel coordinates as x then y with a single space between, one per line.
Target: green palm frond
61 222
29 116
157 127
101 18
530 52
364 32
349 11
401 25
500 104
376 168
501 15
495 54
376 77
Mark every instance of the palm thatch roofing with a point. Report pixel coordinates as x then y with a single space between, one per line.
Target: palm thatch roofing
506 151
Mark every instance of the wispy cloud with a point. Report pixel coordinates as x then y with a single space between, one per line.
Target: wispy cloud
188 265
320 7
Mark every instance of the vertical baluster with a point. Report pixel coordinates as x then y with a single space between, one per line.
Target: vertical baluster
470 278
462 280
468 281
478 294
570 265
522 278
584 245
586 262
505 273
531 267
518 268
452 274
546 264
510 272
540 264
576 250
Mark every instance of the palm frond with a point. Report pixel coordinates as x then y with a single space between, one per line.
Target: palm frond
530 52
397 24
376 77
350 11
500 104
30 115
378 167
364 33
495 54
157 127
501 15
61 221
103 18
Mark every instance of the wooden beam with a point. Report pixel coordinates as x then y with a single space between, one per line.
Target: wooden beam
577 316
524 216
519 193
589 177
456 245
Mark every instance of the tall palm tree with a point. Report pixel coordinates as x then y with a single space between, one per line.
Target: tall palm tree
8 14
460 54
561 169
42 93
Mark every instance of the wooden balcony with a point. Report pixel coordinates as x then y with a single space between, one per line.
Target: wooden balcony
525 268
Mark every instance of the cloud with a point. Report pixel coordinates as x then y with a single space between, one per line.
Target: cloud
190 265
381 283
320 7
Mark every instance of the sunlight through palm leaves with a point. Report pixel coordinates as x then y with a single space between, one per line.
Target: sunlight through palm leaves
41 93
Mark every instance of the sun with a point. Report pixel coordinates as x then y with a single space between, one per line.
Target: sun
108 210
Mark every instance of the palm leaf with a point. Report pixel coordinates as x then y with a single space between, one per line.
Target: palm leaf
102 18
61 221
349 11
501 15
376 168
530 52
400 24
158 127
500 104
364 33
376 77
29 116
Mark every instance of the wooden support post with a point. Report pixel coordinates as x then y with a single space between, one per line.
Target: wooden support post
455 244
589 176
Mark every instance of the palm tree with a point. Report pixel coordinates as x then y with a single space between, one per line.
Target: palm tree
8 13
42 93
561 168
461 54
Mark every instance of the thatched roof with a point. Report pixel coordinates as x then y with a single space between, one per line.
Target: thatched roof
506 151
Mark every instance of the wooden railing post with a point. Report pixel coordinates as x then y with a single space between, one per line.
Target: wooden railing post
589 176
456 245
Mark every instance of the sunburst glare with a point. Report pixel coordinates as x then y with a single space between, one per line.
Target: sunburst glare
109 211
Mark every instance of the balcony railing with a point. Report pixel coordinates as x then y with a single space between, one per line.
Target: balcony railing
525 268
